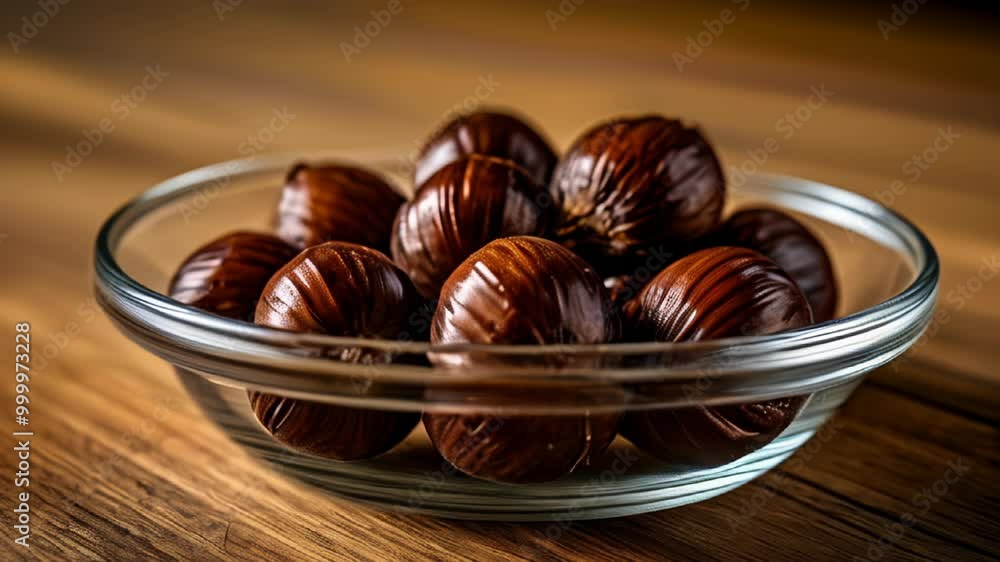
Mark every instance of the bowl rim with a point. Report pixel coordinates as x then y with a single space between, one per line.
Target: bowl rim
128 301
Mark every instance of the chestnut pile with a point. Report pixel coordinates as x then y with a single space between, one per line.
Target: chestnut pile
512 245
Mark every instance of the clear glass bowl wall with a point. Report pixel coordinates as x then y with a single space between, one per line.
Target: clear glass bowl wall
886 268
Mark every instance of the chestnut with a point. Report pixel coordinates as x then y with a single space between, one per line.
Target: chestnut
336 432
793 247
520 449
632 186
227 275
707 437
340 289
523 290
464 205
520 290
713 293
490 133
336 202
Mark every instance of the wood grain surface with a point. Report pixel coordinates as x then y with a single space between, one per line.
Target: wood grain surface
124 466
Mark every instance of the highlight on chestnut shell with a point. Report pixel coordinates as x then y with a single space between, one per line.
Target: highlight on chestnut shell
336 202
521 290
793 247
490 133
463 206
227 275
339 289
629 186
714 293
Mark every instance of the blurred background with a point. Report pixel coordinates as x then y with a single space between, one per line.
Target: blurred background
100 100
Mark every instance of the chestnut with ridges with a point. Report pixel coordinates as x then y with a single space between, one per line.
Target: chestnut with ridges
227 275
521 290
336 202
632 184
790 245
339 289
463 206
713 293
491 133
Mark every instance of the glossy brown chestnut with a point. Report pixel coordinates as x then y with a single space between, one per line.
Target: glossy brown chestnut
521 290
790 245
227 275
466 204
714 293
629 187
336 202
520 449
490 133
705 437
335 432
339 289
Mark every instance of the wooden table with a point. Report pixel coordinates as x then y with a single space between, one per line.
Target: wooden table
123 465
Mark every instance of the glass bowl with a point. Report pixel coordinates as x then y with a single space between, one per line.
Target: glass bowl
888 274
